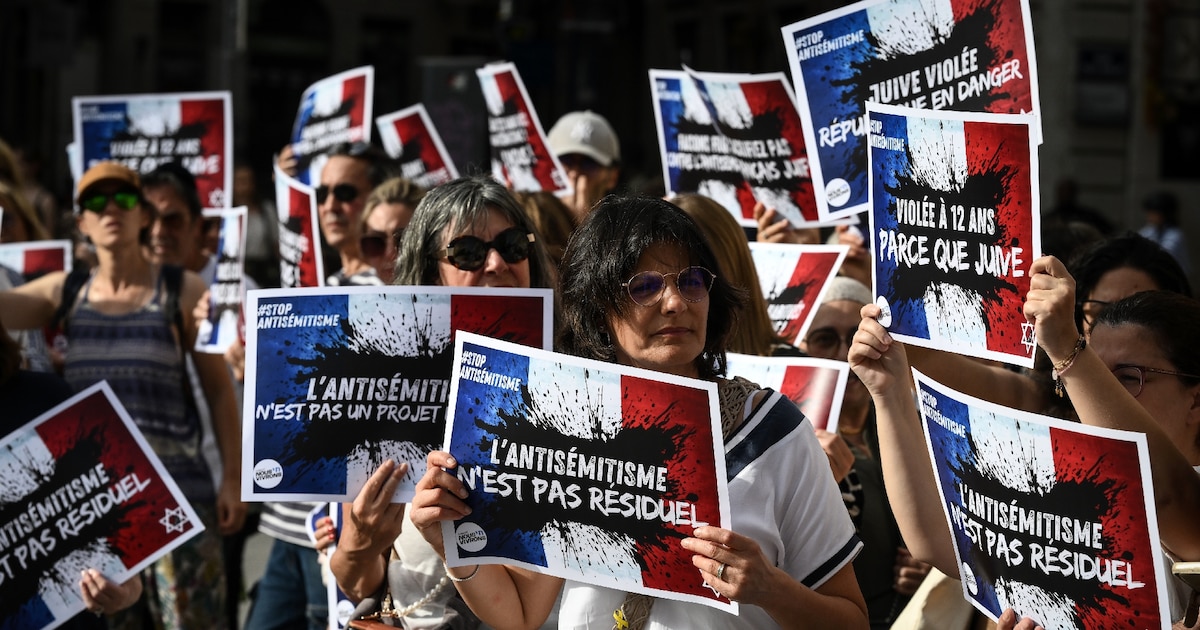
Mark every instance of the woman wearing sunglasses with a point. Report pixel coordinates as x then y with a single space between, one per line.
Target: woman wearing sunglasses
119 330
467 232
472 232
1139 370
641 287
386 215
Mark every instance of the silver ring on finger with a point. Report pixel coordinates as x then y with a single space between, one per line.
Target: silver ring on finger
721 571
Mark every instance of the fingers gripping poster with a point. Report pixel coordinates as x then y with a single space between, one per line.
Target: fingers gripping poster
585 470
80 489
340 379
964 55
955 226
1054 519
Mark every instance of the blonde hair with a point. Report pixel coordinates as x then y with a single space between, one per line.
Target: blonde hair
553 220
754 333
19 205
394 190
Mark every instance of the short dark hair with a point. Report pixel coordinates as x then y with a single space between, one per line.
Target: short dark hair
178 178
1132 251
1170 317
604 252
460 204
380 167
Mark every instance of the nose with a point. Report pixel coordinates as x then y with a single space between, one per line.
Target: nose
494 263
672 300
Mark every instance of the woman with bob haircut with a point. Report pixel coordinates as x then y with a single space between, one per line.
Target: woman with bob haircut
641 287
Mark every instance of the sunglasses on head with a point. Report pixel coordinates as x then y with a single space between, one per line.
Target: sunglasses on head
374 244
468 253
344 193
647 287
97 202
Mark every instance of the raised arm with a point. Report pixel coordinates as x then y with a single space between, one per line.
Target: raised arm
993 383
359 563
32 305
1100 400
226 417
503 597
882 365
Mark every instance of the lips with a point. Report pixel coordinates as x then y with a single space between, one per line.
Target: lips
673 331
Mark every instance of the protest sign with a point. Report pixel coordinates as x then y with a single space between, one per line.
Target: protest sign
582 469
735 138
955 226
815 385
226 290
80 489
334 110
963 55
793 279
143 131
1054 519
410 137
340 379
300 263
521 157
34 259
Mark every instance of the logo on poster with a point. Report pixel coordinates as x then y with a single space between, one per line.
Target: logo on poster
471 537
837 192
268 473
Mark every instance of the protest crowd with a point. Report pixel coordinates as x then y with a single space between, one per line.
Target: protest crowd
845 522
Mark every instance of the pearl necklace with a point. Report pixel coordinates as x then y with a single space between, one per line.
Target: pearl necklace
409 609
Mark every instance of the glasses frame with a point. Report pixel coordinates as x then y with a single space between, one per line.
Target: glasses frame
1090 320
848 339
339 193
107 197
510 257
383 238
712 277
1141 372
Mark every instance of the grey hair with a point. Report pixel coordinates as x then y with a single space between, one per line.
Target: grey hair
462 204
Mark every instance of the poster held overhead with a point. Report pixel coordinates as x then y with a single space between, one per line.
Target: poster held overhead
334 110
960 55
144 131
410 138
955 225
521 157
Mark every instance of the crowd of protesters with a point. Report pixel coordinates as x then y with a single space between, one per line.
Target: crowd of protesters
829 529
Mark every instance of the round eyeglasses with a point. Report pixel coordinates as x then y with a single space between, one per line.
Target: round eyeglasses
1133 377
647 288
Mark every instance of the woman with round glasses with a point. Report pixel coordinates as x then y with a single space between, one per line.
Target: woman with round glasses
1145 342
641 288
467 232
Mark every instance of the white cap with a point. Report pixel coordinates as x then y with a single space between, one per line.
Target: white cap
586 133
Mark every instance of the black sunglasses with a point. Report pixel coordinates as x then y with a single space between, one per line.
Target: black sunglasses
468 253
344 193
97 202
374 244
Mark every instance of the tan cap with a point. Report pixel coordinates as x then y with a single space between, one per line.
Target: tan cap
843 288
105 171
586 133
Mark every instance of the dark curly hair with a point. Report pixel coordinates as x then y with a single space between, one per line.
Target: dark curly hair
604 252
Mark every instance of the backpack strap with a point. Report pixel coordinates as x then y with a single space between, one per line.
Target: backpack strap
70 292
